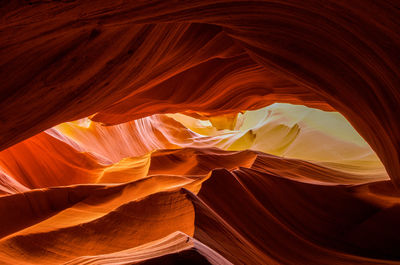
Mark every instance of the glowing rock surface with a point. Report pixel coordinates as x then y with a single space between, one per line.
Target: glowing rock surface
199 132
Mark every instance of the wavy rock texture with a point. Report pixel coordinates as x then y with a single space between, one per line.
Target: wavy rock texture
145 132
64 61
246 215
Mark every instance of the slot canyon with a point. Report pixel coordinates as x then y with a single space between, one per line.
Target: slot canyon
200 132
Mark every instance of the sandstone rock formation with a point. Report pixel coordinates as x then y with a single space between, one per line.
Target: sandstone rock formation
146 132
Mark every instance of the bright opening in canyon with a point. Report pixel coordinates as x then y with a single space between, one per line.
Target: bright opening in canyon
284 130
199 132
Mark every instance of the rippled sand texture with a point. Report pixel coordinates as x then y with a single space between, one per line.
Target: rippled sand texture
200 132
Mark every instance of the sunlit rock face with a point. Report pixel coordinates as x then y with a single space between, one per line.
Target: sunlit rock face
284 130
199 132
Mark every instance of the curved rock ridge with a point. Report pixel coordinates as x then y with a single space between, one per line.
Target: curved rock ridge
99 154
200 132
44 161
263 218
103 221
280 129
123 61
241 215
179 247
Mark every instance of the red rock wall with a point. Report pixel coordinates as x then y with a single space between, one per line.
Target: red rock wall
66 60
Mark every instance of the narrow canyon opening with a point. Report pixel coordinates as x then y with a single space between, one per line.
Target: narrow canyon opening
199 132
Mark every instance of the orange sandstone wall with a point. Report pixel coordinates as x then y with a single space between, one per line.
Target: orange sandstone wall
123 60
